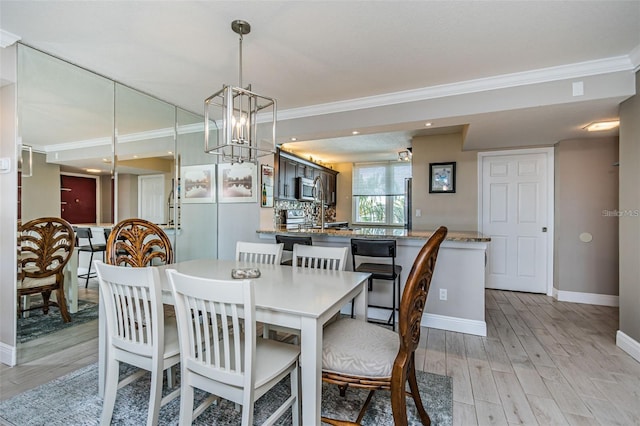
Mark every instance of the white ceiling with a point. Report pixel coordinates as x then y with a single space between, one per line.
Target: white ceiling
505 69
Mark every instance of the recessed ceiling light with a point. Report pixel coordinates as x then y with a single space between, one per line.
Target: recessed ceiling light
355 132
294 139
169 152
598 126
93 170
428 124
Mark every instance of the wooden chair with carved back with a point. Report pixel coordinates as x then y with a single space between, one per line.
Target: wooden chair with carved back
362 355
46 245
138 243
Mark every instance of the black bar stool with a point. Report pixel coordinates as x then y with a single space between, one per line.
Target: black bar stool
379 271
289 241
90 247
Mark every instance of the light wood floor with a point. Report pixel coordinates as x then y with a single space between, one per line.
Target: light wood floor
542 362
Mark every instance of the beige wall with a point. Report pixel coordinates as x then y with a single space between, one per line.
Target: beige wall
629 226
127 196
586 197
41 191
459 211
344 203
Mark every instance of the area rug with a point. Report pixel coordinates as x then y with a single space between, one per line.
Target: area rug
38 324
73 400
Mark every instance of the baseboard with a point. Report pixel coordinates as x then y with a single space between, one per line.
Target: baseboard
586 298
460 325
8 354
629 345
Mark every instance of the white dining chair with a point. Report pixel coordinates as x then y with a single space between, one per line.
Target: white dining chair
220 353
259 252
137 333
320 257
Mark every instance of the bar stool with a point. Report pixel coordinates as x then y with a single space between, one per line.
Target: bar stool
379 271
90 247
289 241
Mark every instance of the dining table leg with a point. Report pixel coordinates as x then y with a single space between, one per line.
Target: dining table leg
361 302
311 369
311 359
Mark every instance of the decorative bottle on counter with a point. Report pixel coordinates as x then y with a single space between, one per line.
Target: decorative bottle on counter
264 194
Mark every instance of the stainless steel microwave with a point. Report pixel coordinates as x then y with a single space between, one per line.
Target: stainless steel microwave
304 189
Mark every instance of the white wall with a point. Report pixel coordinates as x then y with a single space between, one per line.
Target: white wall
8 210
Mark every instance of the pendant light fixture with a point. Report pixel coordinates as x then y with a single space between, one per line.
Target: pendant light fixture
240 125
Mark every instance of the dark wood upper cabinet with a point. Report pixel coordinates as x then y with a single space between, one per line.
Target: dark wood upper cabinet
289 167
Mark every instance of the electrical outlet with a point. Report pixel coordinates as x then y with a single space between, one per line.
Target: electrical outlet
443 294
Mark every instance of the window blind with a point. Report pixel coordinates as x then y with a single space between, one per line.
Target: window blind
380 178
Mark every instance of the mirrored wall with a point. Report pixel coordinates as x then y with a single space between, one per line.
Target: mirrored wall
103 152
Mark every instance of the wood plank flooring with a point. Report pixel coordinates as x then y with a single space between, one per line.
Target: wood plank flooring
543 362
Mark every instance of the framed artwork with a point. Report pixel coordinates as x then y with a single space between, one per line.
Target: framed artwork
198 184
442 177
237 183
266 188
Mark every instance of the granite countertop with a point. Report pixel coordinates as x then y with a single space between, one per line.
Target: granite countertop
378 232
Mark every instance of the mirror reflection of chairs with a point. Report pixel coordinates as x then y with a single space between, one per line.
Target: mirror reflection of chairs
85 244
46 245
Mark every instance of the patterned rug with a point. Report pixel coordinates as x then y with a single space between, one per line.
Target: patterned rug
73 400
37 324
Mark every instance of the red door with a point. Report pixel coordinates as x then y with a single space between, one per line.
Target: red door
78 196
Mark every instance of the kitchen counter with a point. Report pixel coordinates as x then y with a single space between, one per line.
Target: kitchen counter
456 299
380 232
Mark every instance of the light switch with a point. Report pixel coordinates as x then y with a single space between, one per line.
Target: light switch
5 165
418 212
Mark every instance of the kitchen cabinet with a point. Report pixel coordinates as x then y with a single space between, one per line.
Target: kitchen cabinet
287 173
290 167
329 184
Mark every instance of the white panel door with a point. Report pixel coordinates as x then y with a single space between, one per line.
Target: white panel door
151 198
515 216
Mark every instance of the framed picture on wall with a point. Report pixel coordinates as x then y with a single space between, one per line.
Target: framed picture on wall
237 183
266 188
198 184
442 177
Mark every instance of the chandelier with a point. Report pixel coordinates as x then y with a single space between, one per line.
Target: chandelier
405 155
239 125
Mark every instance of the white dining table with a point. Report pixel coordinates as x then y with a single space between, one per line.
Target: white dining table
299 298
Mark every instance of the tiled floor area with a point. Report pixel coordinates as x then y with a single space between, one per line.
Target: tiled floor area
542 362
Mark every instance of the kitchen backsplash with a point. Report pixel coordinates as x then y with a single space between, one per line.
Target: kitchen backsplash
312 211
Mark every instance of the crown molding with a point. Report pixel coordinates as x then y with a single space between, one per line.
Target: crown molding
543 75
634 56
7 38
132 137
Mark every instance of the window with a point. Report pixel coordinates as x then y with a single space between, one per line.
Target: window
379 192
